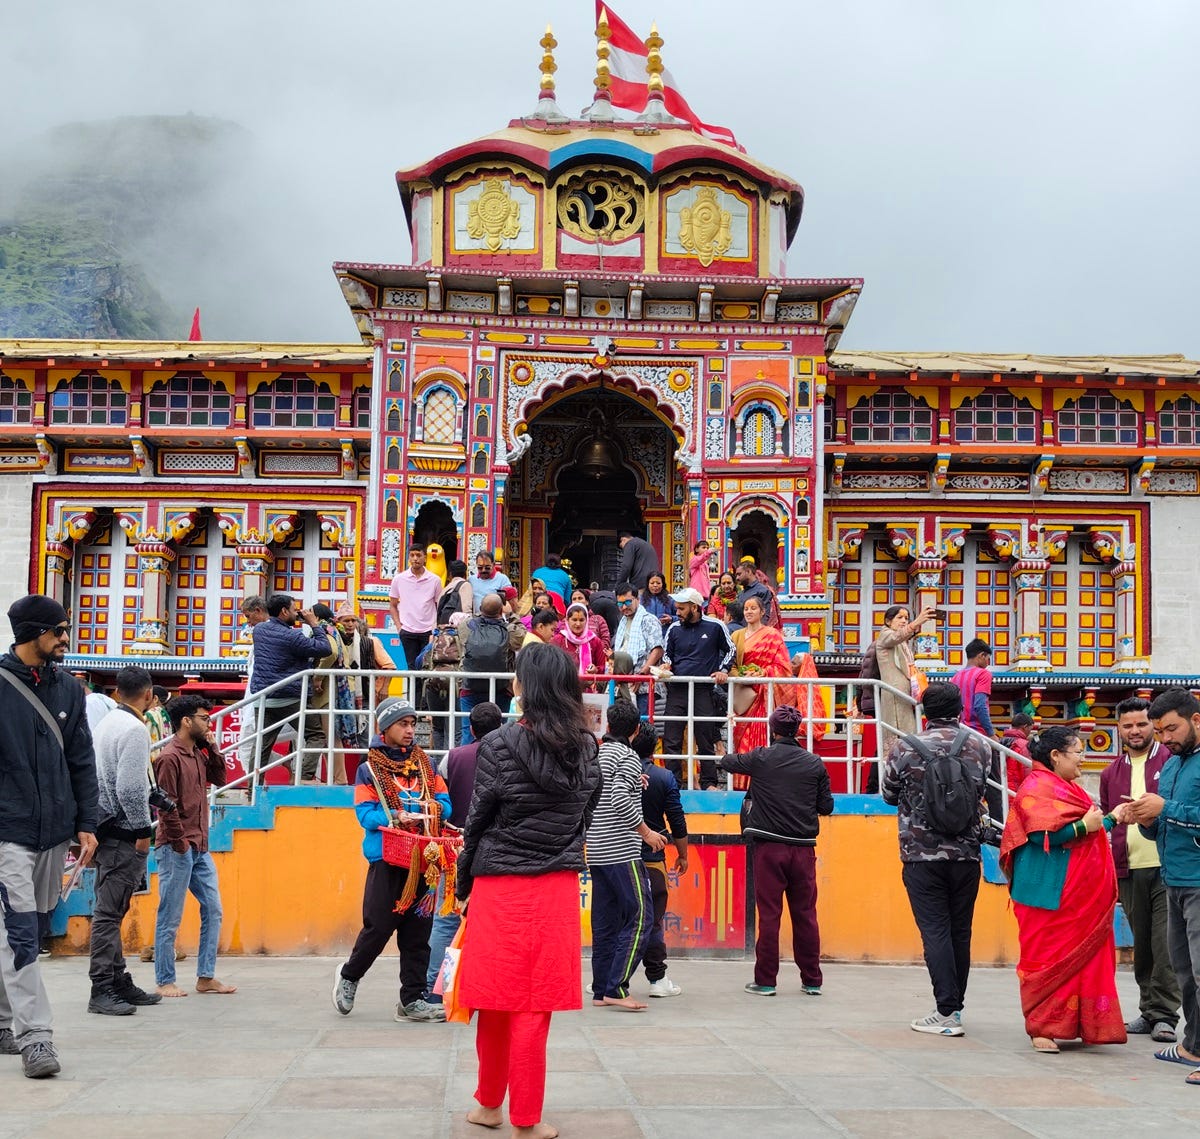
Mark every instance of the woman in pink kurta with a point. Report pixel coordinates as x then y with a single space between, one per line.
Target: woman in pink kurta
699 573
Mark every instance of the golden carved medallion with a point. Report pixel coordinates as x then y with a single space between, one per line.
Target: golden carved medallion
704 227
494 216
601 208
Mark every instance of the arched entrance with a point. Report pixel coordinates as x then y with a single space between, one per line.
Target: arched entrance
598 462
755 536
435 523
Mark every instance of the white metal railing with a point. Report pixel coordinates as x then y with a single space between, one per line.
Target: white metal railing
842 742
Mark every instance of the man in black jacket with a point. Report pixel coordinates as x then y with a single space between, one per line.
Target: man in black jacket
661 810
789 789
49 777
639 559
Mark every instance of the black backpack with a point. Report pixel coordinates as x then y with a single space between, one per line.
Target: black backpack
487 651
450 602
951 801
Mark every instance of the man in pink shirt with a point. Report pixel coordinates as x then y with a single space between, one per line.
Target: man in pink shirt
975 683
413 605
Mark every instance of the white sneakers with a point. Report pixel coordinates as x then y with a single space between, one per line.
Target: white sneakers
937 1025
664 988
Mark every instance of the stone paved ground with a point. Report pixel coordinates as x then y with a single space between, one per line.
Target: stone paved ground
276 1060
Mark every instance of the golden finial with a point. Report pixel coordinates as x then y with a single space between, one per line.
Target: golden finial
603 35
548 43
654 63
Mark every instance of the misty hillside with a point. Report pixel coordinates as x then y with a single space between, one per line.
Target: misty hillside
108 229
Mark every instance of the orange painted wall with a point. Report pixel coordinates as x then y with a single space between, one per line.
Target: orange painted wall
297 889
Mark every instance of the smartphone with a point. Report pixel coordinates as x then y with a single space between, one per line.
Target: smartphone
939 614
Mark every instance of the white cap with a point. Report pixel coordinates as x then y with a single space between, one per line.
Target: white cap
689 595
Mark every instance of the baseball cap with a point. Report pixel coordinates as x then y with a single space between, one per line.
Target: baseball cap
691 596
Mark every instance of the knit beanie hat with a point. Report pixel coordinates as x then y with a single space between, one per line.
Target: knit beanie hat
33 615
785 721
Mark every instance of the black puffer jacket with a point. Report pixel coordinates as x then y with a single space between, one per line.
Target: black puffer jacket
46 796
528 813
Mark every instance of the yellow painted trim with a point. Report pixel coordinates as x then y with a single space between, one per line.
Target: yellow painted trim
26 376
958 396
1032 396
569 341
763 345
855 395
122 377
634 342
653 229
437 239
441 333
701 346
550 227
508 337
764 237
929 395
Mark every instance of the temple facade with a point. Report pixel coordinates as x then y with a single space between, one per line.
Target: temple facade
596 333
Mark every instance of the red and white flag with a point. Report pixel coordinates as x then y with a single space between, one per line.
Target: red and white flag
627 66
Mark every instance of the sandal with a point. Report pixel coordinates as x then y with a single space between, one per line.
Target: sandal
1173 1055
1194 1078
1044 1045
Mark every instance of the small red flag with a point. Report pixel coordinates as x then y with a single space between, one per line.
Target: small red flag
195 333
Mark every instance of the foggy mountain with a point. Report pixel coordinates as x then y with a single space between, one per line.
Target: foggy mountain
119 229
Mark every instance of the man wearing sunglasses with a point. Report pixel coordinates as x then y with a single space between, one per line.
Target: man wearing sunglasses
638 643
49 799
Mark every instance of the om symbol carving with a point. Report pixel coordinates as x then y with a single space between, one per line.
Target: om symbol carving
601 208
704 227
494 216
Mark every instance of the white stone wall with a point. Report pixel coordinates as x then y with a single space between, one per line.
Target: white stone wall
16 527
1175 584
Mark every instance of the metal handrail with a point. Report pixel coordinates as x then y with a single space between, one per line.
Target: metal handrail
837 726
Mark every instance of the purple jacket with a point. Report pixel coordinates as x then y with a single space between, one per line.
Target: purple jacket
1116 781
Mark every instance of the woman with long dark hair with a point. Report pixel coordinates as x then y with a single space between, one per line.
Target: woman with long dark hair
1064 889
537 782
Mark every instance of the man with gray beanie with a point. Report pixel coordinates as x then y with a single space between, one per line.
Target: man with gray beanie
940 871
395 787
48 772
789 791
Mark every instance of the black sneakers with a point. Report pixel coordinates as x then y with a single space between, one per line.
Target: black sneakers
40 1060
106 1002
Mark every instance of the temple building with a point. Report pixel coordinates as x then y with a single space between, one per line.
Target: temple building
597 333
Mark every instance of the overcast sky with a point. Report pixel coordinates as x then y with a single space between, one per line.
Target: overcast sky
1017 176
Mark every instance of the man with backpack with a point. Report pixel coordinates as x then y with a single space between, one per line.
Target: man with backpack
488 644
936 780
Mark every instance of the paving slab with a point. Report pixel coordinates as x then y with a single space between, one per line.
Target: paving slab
275 1061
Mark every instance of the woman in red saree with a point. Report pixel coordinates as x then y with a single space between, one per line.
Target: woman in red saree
1064 888
760 652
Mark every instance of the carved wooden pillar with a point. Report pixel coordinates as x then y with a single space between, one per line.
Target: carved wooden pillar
1124 575
1029 575
154 569
928 572
58 561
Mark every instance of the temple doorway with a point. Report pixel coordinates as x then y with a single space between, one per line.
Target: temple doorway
435 523
599 462
756 537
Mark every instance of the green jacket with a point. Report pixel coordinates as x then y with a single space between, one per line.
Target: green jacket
1038 874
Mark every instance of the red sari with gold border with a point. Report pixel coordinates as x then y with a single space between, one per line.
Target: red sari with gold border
1067 970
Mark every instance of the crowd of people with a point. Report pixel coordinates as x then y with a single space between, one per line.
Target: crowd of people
536 801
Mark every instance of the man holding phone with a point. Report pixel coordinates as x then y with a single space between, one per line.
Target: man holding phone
280 651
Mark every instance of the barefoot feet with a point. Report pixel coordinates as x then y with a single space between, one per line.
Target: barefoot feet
486 1116
171 991
212 985
626 1003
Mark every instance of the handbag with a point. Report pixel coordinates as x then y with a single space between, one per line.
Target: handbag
744 696
448 978
918 681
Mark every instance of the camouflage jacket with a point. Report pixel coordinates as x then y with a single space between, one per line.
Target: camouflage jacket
903 780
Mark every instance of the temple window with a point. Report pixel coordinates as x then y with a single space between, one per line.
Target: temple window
478 515
393 457
1099 419
204 597
89 399
480 466
295 402
830 416
995 417
308 563
393 417
891 417
16 401
391 510
439 414
1080 611
189 401
360 412
105 590
864 589
483 425
1178 423
758 433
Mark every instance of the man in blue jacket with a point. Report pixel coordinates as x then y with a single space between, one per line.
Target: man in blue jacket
48 772
1172 819
281 650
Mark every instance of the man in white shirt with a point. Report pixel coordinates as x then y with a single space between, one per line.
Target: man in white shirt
413 604
638 644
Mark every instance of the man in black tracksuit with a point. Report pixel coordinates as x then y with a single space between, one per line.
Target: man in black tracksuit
661 809
789 789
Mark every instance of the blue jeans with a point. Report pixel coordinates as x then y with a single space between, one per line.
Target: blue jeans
177 874
445 926
466 702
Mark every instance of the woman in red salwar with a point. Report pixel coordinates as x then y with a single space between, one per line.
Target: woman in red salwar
1064 888
537 782
760 652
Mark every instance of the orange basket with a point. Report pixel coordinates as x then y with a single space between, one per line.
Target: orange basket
398 845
